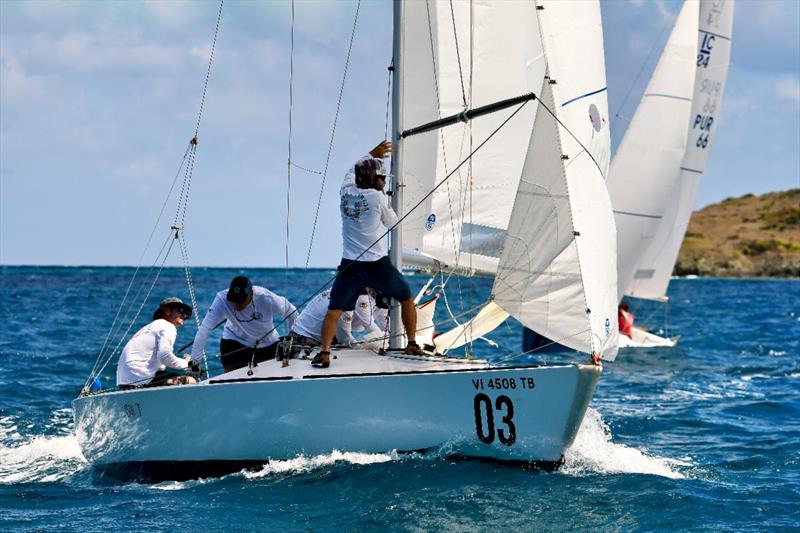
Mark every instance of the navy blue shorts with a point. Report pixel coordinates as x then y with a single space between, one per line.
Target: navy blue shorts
354 276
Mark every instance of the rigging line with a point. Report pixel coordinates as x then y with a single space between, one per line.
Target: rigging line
289 161
183 203
441 131
388 98
208 70
552 114
471 140
666 24
458 54
139 311
188 273
185 186
333 134
304 169
528 352
135 298
111 332
144 252
399 221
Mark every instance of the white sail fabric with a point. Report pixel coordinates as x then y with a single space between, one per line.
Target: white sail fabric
487 319
455 56
557 273
657 169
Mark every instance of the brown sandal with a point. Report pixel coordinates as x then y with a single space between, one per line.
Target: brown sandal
412 348
321 360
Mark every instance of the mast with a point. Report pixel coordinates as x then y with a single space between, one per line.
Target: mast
396 243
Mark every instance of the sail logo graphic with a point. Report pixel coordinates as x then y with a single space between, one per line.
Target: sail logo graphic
594 117
608 327
430 222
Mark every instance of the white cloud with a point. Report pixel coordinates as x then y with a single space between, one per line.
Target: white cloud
637 3
96 52
15 82
788 88
171 14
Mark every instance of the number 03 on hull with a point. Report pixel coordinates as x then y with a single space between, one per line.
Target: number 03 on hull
458 408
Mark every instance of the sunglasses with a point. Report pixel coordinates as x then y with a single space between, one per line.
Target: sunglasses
183 312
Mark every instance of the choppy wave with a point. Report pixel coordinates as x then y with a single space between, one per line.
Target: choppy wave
41 459
594 452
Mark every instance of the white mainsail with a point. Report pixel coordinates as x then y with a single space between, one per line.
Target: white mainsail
657 169
464 55
557 273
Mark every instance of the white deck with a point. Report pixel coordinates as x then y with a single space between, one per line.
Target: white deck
349 363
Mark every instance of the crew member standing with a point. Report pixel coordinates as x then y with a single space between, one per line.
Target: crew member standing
366 215
250 333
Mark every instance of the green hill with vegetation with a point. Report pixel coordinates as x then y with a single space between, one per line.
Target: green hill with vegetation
751 236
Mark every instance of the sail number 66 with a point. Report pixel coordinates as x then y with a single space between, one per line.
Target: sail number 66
486 429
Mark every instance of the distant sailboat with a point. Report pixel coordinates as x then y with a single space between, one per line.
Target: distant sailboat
543 227
657 169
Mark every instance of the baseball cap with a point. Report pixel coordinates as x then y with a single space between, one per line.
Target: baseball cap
240 289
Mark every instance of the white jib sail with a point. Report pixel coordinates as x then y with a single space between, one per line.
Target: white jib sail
464 55
657 169
557 273
487 319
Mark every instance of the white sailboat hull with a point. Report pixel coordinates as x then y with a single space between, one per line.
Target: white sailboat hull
645 339
528 414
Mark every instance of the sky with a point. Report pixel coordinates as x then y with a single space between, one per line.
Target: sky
98 101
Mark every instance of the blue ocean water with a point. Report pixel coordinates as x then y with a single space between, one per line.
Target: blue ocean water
703 436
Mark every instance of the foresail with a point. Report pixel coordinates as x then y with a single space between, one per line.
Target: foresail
647 164
557 272
486 321
464 55
705 61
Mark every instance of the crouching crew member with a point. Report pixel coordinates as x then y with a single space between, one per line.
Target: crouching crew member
307 329
250 332
150 350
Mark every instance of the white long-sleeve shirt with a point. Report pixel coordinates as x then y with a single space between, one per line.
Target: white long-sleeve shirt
309 323
248 325
149 350
368 317
366 215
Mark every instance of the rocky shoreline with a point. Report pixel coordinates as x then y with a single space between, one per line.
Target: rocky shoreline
748 237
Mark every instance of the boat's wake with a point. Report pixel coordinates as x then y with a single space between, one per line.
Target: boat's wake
37 459
303 464
594 452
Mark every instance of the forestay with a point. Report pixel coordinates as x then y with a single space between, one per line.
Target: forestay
459 55
557 272
657 169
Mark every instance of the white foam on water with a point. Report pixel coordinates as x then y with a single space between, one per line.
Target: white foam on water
303 464
41 459
594 452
